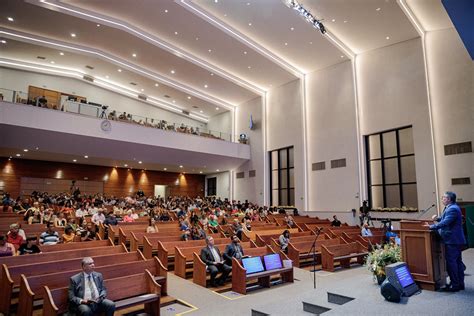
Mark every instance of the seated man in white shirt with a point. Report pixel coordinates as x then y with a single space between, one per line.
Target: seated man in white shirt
365 232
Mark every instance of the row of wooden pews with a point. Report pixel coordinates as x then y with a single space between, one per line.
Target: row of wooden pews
45 277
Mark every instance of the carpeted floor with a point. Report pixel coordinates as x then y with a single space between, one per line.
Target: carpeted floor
357 282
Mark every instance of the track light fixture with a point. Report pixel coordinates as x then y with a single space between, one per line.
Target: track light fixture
293 4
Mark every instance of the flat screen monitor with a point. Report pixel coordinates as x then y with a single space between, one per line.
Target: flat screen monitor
252 265
404 276
272 261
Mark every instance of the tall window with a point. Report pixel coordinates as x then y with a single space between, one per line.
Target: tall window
211 186
391 168
282 174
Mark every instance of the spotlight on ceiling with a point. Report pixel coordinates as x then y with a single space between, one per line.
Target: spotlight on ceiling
293 4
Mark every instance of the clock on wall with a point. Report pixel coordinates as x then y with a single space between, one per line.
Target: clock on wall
106 126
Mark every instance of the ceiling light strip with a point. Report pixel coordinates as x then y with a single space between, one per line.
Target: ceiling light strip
292 69
97 81
121 63
254 87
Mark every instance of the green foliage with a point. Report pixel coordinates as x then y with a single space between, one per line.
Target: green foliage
382 256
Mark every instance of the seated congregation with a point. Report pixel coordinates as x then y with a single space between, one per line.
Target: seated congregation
85 254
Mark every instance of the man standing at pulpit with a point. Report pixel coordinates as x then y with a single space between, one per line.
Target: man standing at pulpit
449 227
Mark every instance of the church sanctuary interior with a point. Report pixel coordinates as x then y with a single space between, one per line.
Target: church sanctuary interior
298 148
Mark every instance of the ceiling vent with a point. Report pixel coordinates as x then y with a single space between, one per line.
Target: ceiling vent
41 57
195 106
185 112
141 96
133 83
88 78
167 96
89 67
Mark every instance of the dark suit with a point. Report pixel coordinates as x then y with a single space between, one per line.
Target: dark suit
208 258
230 252
449 227
76 292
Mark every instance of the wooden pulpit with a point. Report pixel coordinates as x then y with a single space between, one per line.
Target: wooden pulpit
423 251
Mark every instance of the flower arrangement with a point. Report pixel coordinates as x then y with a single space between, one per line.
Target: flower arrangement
403 209
380 257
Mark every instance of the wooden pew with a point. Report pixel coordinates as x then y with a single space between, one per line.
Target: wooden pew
32 288
150 242
125 291
246 236
343 254
76 245
166 248
184 257
262 240
200 274
300 251
11 275
240 278
367 241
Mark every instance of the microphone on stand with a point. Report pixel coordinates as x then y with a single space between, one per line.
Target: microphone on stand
320 230
424 211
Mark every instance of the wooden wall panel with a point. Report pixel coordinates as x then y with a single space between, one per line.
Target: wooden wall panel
119 182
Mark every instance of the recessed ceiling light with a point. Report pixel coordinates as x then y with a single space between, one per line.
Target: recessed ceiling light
205 86
25 150
98 25
248 3
197 38
134 55
292 28
174 101
388 37
37 148
209 50
249 67
166 11
142 90
225 14
125 165
217 109
345 21
201 111
140 162
74 160
107 77
156 85
86 156
73 34
18 155
172 71
378 9
175 33
286 44
342 56
200 171
333 20
215 1
61 53
3 41
119 70
217 170
181 166
245 52
10 19
189 98
310 43
250 24
52 61
212 74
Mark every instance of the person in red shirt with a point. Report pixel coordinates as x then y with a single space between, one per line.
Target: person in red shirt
13 237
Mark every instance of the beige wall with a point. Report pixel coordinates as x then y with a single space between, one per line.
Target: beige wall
331 117
451 75
251 188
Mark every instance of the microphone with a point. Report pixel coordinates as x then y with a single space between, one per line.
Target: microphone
320 230
426 210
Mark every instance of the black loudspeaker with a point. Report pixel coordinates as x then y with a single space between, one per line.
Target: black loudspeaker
390 292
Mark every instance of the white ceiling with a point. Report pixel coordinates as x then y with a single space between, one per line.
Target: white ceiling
223 52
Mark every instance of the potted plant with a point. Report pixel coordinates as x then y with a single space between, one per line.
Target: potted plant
380 257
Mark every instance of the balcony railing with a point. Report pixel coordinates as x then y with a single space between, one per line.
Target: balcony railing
105 112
